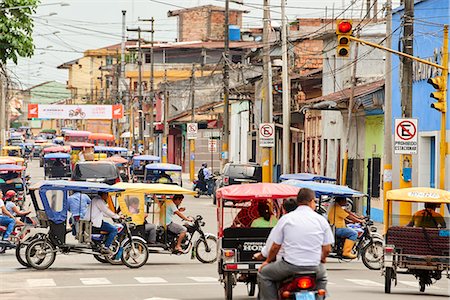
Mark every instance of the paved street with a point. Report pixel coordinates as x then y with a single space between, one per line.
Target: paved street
177 277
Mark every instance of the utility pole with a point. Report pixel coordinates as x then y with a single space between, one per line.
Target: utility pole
140 98
226 86
266 160
406 101
387 173
286 92
124 95
151 139
166 120
444 147
192 141
2 110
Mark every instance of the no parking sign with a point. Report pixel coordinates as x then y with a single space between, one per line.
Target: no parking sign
405 141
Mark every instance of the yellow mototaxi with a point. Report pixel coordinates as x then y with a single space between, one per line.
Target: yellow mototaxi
137 199
421 246
20 161
12 151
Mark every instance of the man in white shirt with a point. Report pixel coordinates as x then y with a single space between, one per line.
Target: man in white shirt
95 212
306 238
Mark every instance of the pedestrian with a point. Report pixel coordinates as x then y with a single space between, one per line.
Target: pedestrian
78 203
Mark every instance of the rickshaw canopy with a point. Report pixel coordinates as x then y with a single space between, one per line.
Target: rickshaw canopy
12 148
79 186
81 145
56 149
153 188
419 194
117 160
16 159
146 157
257 191
11 168
163 167
322 189
57 156
306 177
8 160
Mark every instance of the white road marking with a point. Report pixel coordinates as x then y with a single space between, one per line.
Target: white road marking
150 279
157 298
41 282
364 282
95 281
129 285
415 284
204 279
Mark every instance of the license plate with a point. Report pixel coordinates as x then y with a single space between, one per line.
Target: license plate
305 296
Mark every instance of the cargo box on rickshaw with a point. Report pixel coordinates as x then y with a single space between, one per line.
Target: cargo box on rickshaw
237 208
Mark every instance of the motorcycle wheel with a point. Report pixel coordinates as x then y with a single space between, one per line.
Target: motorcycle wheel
100 258
198 193
111 258
388 274
40 254
372 254
20 254
228 285
135 258
204 256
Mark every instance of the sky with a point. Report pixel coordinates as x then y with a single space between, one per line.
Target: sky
63 32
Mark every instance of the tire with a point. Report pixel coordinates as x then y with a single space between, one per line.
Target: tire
372 255
228 285
198 193
38 251
110 258
251 288
350 206
101 258
422 287
200 247
21 257
135 258
388 274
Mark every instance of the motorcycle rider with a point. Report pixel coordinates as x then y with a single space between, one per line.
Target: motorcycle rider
337 216
204 178
10 199
8 220
306 238
172 208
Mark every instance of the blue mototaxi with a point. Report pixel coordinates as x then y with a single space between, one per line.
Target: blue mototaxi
51 203
57 165
138 166
306 177
163 173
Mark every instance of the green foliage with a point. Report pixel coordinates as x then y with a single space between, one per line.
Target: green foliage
16 28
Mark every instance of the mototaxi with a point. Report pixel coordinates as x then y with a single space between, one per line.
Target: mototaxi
238 241
419 251
57 165
12 151
138 164
52 149
146 202
163 173
369 244
12 177
122 165
50 200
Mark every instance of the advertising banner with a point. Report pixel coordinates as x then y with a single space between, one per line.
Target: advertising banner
75 112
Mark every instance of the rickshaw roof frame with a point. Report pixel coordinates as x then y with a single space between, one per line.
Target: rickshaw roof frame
163 167
78 186
246 192
325 189
16 159
419 195
11 167
81 145
147 157
56 155
306 177
57 149
153 188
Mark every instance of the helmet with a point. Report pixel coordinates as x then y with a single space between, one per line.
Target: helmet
204 165
10 194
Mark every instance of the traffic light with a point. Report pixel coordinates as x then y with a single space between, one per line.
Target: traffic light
344 30
440 84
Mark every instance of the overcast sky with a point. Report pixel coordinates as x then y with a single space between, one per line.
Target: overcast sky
90 24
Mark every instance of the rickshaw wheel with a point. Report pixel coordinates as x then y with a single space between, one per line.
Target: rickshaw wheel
228 285
37 253
200 247
388 274
371 255
251 288
136 258
21 257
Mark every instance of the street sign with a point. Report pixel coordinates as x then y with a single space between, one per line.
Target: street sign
191 131
212 145
405 141
267 135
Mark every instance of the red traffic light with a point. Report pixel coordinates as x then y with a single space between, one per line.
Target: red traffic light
345 27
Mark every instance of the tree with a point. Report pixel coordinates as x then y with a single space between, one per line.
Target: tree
16 28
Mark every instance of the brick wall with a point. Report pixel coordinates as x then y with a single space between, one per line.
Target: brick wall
308 55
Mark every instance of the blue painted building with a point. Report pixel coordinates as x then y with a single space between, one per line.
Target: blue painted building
429 18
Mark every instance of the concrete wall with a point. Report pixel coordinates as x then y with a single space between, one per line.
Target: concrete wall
333 133
239 132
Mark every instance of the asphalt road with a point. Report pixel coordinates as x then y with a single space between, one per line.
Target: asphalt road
80 277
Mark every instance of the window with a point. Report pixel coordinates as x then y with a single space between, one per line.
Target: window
132 203
55 199
109 60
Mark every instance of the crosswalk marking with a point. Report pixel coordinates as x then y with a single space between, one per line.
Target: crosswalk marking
364 282
95 281
41 282
150 279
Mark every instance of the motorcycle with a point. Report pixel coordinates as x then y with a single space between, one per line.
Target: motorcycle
201 188
204 248
301 286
